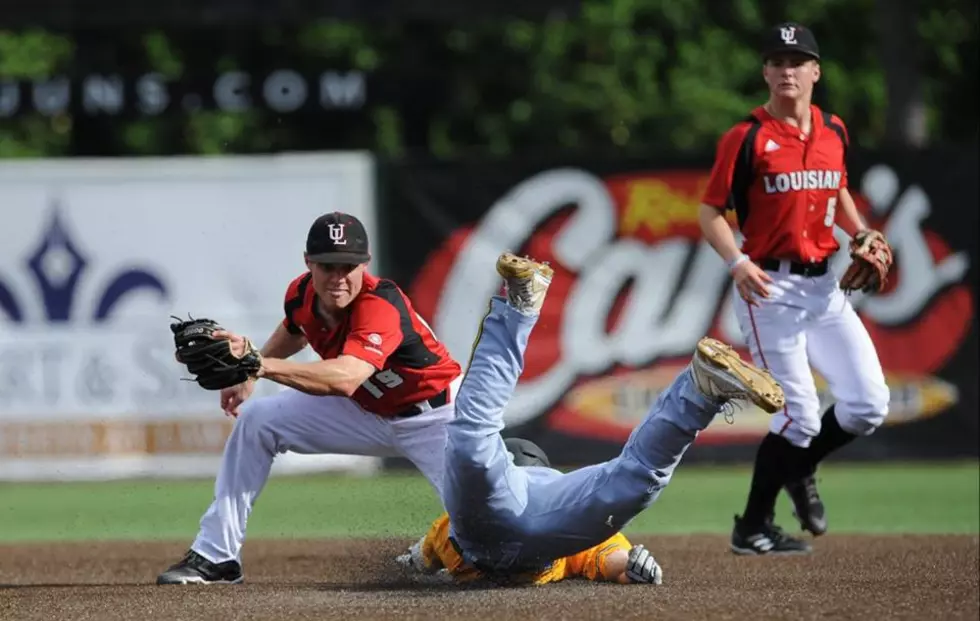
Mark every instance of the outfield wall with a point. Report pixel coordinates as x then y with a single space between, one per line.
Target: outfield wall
95 255
636 287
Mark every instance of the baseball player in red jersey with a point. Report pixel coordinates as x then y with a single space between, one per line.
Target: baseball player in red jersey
384 387
782 170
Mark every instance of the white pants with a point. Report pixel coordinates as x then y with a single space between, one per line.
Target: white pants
294 421
808 320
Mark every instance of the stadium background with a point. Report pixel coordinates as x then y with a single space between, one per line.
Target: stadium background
165 159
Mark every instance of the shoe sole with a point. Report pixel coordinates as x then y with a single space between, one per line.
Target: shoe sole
512 266
763 390
199 580
753 552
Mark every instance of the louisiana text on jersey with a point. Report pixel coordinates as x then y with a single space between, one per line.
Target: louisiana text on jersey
782 184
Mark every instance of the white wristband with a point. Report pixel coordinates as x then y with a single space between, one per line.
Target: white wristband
742 258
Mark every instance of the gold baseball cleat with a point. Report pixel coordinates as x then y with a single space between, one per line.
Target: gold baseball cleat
720 373
527 281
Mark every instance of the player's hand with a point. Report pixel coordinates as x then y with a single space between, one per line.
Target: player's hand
641 567
234 396
237 341
751 281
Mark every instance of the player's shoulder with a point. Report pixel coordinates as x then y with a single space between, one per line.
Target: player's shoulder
297 287
380 292
738 132
832 121
375 288
836 120
828 116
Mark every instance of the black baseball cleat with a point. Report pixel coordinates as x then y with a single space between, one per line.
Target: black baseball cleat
809 509
195 569
765 539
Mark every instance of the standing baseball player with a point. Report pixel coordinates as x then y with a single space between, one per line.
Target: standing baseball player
507 521
782 170
384 387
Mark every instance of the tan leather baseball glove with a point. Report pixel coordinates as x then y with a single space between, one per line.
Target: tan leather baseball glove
871 260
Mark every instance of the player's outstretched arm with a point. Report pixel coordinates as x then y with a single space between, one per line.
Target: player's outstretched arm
283 344
340 376
614 568
635 566
615 560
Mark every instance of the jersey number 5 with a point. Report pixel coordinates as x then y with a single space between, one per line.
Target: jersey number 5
386 378
828 220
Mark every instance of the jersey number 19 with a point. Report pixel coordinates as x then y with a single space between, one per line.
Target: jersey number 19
386 379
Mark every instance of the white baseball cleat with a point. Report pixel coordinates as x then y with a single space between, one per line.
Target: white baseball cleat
414 563
413 559
527 282
721 374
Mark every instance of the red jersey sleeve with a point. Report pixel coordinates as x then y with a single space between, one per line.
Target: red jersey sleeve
295 293
375 331
720 181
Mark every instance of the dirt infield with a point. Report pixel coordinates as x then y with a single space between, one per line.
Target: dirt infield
847 578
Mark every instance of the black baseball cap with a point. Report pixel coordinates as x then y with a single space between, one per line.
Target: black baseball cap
337 238
790 37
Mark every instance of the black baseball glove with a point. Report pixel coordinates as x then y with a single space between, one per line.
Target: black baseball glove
211 360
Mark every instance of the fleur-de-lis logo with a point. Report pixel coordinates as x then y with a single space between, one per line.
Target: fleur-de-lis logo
58 265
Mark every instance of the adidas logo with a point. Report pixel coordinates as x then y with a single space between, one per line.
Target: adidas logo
761 542
771 145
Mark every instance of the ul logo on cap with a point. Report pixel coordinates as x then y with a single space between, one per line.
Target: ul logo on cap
788 34
337 234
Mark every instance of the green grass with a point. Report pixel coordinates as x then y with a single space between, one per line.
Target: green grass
861 499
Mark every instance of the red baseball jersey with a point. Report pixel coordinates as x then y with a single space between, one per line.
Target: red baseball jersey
782 184
381 328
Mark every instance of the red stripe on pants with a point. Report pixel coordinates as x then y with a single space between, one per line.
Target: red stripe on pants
758 344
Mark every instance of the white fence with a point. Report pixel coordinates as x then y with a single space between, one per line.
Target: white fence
96 255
